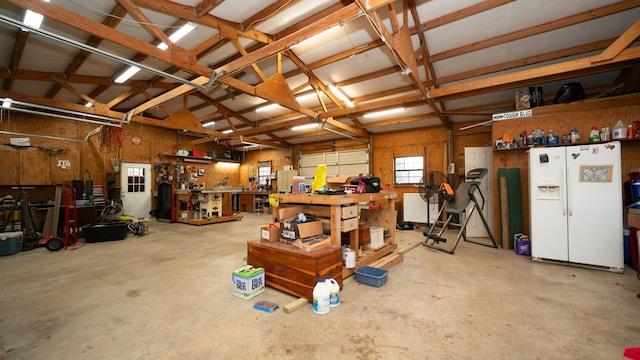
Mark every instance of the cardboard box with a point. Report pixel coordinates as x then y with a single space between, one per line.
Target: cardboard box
633 219
197 153
335 183
270 233
247 282
285 213
304 230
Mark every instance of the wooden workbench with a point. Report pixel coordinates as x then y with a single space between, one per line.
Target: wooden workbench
214 206
332 206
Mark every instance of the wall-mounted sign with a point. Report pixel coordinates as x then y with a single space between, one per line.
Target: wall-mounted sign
512 115
64 164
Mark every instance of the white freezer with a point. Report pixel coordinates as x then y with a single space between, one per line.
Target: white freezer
575 196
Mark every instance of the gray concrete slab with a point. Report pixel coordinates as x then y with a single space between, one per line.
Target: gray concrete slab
167 295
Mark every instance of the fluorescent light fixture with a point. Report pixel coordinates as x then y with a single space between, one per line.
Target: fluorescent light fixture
341 95
33 18
227 164
88 104
384 112
209 123
267 107
304 127
228 131
179 34
6 103
132 70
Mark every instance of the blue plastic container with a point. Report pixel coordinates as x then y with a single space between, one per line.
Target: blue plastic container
11 242
371 275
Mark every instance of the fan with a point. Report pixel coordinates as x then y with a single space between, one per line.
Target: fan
432 184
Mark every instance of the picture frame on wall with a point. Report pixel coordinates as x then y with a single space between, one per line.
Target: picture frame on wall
200 172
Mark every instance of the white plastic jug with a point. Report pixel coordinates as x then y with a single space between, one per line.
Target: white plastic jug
334 291
321 299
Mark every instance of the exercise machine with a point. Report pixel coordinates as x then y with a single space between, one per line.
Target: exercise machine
456 205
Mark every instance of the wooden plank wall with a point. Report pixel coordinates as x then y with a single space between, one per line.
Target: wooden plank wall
154 142
562 118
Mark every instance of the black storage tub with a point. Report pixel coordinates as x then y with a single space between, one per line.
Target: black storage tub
107 231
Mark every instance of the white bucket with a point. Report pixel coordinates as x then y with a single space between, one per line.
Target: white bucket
348 258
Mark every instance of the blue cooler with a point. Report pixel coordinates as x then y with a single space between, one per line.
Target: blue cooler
11 242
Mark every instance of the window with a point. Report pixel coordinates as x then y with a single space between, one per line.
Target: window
264 172
408 170
135 180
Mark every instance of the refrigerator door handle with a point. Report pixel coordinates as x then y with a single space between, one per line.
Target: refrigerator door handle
569 192
563 192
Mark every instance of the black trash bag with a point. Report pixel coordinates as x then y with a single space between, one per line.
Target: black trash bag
569 92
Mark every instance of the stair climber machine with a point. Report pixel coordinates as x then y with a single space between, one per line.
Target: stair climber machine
456 205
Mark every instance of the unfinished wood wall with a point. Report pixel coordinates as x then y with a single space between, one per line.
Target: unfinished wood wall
278 158
562 118
155 142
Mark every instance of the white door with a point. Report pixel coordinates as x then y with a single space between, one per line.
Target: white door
474 158
135 180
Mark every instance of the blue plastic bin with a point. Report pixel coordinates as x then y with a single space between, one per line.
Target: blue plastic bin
371 275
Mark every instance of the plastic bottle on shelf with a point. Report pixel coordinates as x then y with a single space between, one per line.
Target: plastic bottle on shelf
334 291
594 135
552 137
321 298
630 132
575 136
620 130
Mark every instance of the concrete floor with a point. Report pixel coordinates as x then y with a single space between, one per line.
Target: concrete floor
167 295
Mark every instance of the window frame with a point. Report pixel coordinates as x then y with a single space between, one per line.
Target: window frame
412 179
264 176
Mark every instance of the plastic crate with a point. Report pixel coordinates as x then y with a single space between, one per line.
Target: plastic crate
371 275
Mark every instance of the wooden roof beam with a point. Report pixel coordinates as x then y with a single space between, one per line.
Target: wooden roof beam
543 73
207 5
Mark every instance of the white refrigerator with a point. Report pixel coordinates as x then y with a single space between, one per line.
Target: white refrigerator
575 200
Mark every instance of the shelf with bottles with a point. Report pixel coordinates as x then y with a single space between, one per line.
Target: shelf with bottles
624 141
538 137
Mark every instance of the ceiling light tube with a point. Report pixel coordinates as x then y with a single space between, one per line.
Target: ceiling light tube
132 70
33 18
179 34
227 164
208 123
384 112
93 50
341 95
6 103
267 107
304 127
228 131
